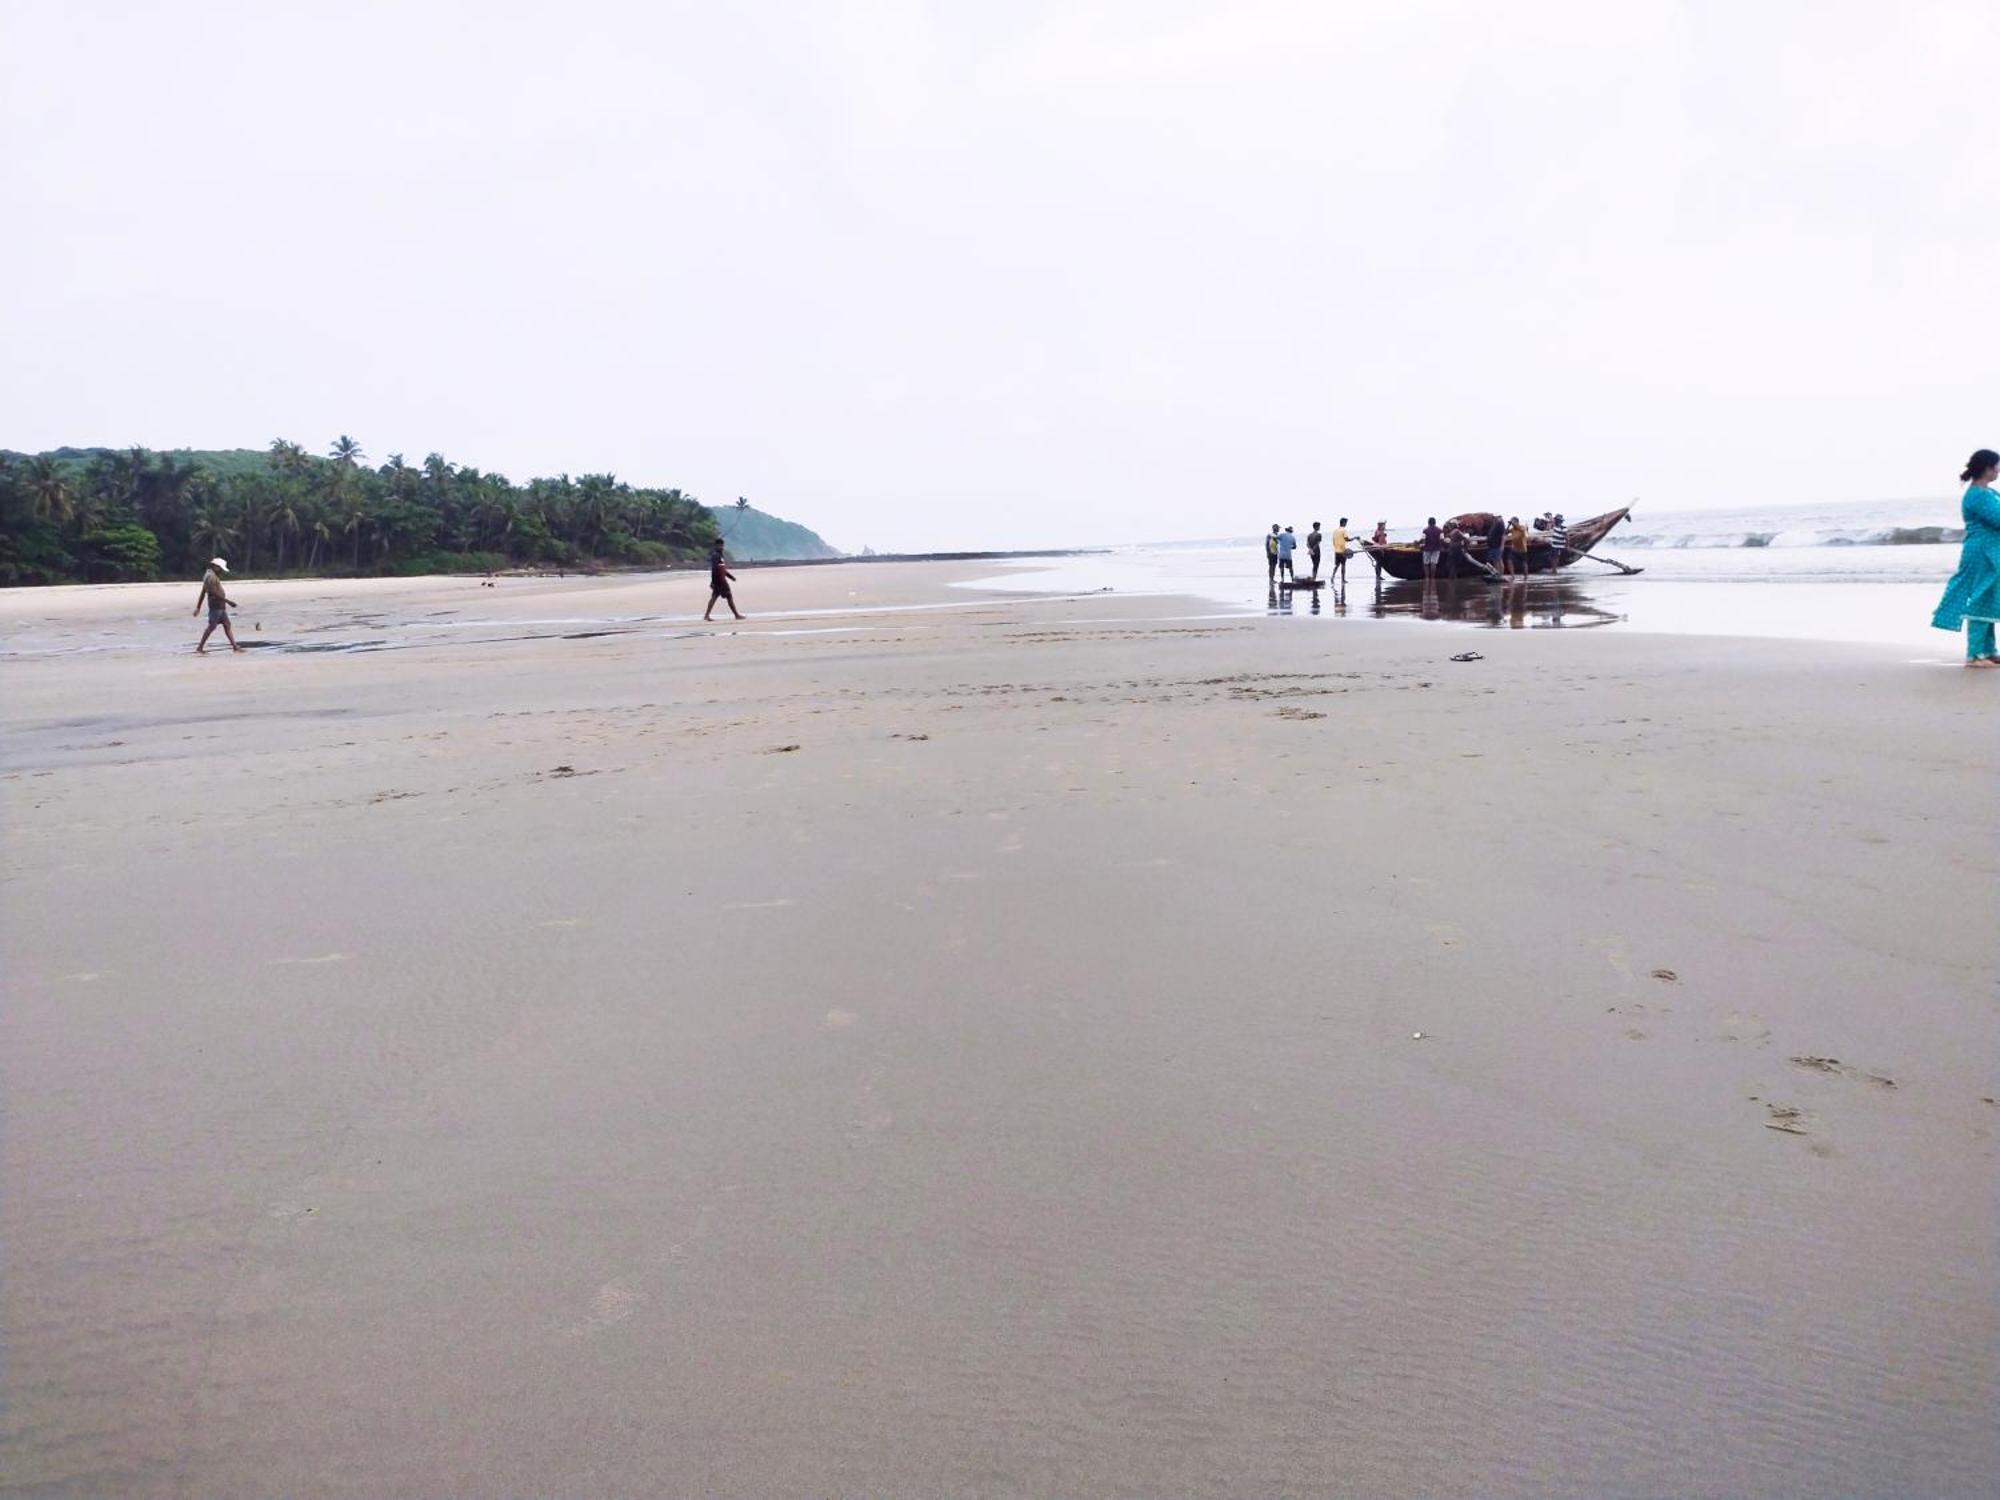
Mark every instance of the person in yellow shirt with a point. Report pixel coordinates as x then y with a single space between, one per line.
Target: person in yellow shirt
1340 550
1517 546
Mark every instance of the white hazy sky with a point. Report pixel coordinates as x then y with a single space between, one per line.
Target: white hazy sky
924 275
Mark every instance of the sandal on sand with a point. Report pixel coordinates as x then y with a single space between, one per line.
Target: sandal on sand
1468 656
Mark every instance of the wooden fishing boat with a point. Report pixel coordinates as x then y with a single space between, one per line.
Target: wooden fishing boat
1405 559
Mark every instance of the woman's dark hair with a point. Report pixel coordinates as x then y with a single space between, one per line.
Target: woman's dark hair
1979 463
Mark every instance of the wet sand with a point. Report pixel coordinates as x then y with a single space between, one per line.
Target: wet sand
974 1048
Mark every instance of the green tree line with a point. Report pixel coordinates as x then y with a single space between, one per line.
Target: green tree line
108 515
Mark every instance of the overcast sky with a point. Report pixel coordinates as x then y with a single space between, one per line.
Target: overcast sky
924 275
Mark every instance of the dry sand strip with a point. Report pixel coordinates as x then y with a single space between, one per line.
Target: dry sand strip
1034 1047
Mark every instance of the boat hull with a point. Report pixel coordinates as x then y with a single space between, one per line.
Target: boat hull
1405 560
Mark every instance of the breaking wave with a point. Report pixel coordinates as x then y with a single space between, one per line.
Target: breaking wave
1883 536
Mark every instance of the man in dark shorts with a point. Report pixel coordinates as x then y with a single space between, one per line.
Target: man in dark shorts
219 605
1432 549
1312 548
718 584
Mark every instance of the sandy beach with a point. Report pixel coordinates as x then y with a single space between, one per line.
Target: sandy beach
925 1041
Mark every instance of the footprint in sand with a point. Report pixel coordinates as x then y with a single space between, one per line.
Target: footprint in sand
613 1303
1743 1029
1840 1069
870 1120
1784 1118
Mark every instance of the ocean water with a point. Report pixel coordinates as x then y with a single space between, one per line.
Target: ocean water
1868 572
1866 523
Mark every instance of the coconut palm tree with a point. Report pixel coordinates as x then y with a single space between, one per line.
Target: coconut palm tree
354 521
283 519
346 452
212 534
48 489
600 501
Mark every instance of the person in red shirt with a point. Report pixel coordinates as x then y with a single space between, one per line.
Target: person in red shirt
718 584
1433 548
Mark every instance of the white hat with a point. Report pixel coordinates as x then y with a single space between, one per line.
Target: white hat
216 562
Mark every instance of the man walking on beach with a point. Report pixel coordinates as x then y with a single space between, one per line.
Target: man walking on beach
1433 549
1339 554
1271 554
219 605
1286 544
1312 550
718 583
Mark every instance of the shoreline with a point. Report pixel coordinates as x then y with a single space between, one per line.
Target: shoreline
71 621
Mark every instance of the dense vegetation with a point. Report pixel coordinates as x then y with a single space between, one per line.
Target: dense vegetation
107 515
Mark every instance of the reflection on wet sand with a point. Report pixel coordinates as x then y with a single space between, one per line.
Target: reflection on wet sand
1536 604
1529 604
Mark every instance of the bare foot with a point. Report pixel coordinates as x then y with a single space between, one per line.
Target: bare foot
1984 661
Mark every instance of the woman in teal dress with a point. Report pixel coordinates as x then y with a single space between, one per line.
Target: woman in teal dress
1972 598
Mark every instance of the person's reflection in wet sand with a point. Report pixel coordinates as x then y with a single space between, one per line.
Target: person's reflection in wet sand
1518 615
1315 606
1429 608
1271 602
1340 600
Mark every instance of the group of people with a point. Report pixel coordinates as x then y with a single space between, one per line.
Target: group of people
1971 600
1504 547
1282 543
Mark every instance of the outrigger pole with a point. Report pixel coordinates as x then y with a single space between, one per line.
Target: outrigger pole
1609 562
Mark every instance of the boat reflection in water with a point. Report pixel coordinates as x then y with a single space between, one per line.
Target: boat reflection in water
1531 604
